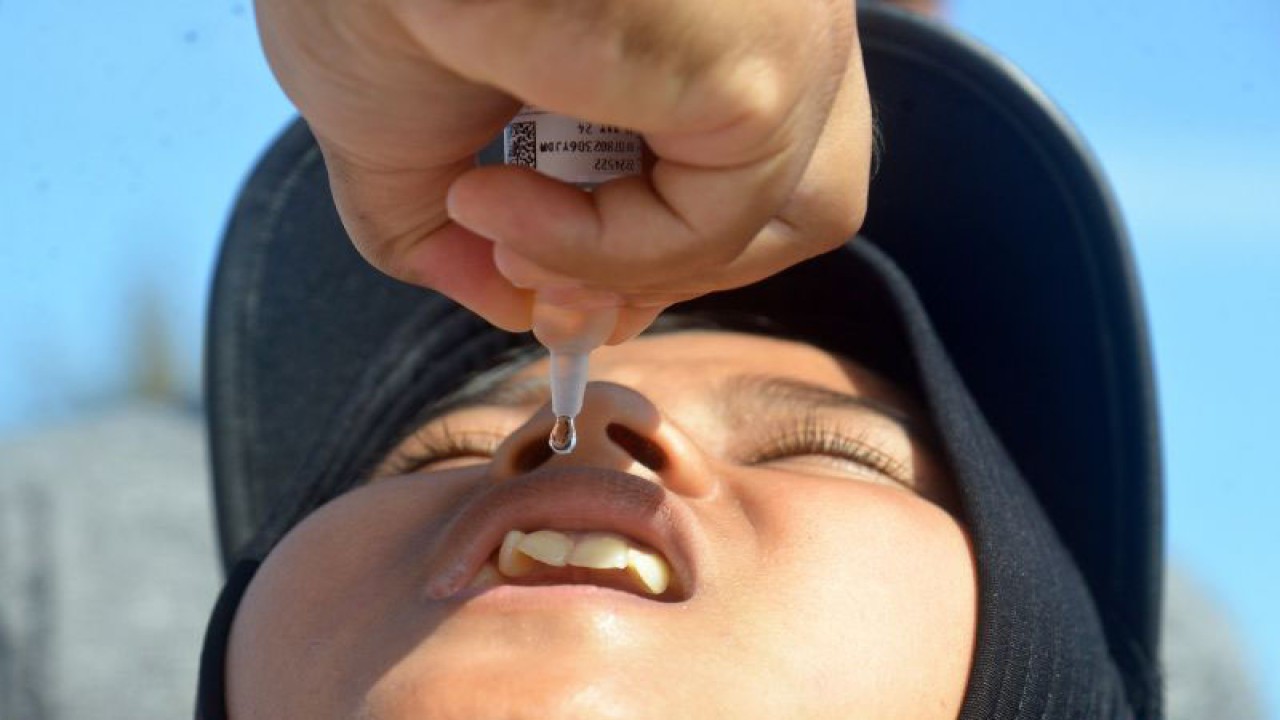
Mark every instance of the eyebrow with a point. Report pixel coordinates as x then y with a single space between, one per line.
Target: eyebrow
745 396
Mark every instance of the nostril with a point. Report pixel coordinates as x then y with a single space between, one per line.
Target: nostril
645 451
532 455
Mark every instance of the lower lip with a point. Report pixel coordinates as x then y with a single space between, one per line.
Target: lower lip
553 597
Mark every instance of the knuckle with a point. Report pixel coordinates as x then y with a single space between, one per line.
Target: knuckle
845 223
826 217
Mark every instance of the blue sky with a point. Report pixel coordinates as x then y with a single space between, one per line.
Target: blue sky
128 127
1181 103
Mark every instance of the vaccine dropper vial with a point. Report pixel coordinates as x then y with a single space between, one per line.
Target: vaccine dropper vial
571 324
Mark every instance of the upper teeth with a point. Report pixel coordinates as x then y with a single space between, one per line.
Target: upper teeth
522 553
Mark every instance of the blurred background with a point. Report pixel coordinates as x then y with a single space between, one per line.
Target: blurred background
126 129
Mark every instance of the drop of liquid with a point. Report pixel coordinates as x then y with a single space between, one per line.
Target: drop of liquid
564 436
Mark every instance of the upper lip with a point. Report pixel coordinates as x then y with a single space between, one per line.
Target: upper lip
563 499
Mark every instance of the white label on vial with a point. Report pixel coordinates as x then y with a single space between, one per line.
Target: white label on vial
572 150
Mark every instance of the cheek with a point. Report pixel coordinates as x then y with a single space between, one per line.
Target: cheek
328 607
879 588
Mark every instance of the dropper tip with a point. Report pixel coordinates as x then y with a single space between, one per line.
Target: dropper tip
564 435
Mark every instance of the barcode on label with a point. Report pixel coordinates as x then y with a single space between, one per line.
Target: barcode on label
522 148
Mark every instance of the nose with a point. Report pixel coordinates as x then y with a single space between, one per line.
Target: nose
619 429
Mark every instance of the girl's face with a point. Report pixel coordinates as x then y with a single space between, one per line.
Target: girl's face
814 563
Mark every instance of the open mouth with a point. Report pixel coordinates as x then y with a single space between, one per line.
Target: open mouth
569 526
558 557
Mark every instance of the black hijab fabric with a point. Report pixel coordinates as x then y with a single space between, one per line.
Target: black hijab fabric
993 279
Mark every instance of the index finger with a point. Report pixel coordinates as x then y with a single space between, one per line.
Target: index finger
630 232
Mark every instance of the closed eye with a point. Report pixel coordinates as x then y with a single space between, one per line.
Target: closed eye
440 448
816 443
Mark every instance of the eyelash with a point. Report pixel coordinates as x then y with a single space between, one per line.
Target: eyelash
446 445
815 438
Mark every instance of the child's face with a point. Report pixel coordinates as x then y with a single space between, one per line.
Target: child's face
818 570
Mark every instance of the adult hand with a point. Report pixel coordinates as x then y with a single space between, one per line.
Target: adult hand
756 111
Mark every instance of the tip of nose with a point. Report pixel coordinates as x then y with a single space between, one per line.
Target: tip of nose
563 440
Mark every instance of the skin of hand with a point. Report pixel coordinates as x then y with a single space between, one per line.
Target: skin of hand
756 112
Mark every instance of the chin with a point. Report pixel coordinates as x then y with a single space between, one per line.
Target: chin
548 688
